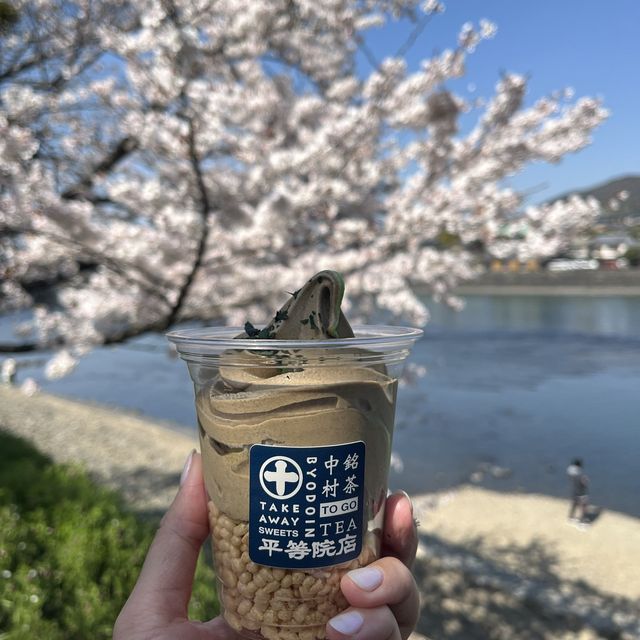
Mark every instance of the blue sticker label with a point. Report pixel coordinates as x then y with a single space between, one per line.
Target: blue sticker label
306 505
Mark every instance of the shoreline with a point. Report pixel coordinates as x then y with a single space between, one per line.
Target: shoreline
133 455
585 291
624 283
490 565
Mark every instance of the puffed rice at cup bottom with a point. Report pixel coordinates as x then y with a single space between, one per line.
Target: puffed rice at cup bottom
274 604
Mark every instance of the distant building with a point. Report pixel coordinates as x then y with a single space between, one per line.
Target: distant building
572 264
609 244
608 251
579 249
607 248
514 265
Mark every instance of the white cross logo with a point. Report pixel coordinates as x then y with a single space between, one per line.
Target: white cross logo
281 476
287 472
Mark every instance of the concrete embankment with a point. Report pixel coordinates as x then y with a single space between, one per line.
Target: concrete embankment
558 283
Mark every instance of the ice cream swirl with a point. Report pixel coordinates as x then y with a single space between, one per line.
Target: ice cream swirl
318 404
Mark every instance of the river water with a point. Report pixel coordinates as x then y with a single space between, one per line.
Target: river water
516 386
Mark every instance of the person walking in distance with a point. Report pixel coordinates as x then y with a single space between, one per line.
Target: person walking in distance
579 491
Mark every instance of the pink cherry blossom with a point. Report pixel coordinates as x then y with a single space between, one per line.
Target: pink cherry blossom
193 160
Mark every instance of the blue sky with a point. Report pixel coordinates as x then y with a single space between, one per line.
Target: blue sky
589 45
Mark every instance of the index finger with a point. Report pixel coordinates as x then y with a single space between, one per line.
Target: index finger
166 578
400 535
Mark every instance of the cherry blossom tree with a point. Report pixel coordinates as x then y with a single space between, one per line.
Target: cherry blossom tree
172 160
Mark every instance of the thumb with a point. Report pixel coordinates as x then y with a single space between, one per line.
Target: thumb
165 582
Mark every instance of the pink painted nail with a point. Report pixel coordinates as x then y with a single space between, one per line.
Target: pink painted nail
408 497
367 578
347 623
187 467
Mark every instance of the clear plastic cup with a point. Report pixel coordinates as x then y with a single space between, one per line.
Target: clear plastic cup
296 440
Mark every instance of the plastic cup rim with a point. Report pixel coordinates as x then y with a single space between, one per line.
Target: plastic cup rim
215 339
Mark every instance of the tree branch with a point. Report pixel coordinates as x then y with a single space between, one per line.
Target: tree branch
24 347
413 36
368 54
128 212
120 151
25 65
112 264
205 212
118 338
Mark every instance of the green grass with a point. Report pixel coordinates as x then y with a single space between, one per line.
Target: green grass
70 551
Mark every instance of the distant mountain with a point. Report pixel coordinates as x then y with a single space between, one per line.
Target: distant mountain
607 190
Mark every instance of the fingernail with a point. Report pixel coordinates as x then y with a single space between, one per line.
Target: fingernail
347 623
187 466
367 578
408 497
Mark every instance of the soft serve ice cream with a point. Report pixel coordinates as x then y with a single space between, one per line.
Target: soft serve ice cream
296 445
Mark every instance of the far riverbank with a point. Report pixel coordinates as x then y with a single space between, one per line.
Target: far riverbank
555 283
